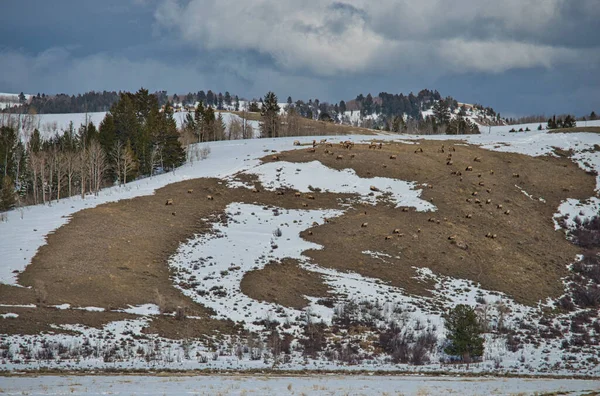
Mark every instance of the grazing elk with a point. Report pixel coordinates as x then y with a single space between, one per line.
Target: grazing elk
210 197
388 237
468 216
275 158
310 196
191 190
488 201
255 190
296 142
507 212
297 194
339 157
364 225
373 188
169 202
469 169
477 159
392 156
311 150
419 150
515 175
449 162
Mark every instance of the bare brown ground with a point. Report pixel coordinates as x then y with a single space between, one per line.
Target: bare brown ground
284 283
593 129
116 254
37 320
526 260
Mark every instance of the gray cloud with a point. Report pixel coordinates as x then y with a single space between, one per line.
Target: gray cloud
360 36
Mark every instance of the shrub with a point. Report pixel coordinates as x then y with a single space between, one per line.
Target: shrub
587 232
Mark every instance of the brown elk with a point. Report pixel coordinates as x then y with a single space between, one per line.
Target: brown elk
255 190
477 201
468 216
191 190
304 205
405 209
310 196
169 202
392 157
474 193
339 157
449 162
488 201
469 169
275 158
311 150
396 231
364 225
373 188
515 175
507 212
388 237
297 194
296 142
481 183
419 150
210 197
477 159
499 206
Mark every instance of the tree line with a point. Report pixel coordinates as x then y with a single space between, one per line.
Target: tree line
135 139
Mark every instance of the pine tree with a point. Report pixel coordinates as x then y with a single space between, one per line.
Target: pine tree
227 98
173 154
8 198
464 333
593 116
270 116
441 112
201 97
237 103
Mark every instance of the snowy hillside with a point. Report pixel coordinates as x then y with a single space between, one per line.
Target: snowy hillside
246 239
8 100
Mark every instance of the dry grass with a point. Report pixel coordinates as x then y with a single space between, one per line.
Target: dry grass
594 129
116 254
526 260
284 283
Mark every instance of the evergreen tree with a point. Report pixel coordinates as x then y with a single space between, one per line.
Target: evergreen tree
593 116
342 107
464 333
8 198
9 141
368 105
210 98
22 98
237 103
227 98
201 97
441 112
220 101
173 154
540 128
270 116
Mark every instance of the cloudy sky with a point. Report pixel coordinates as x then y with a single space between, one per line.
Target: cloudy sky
518 56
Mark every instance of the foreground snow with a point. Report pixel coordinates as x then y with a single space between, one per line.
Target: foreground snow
290 385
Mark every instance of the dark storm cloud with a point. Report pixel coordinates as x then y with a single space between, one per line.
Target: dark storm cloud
520 56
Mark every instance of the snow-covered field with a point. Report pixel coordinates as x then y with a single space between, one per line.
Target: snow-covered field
290 385
222 261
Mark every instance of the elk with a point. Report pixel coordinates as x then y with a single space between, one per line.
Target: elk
481 183
329 145
364 225
477 201
297 194
191 190
388 237
405 209
311 150
210 197
169 202
380 146
469 200
296 142
275 158
396 231
491 172
373 188
326 151
255 190
280 192
323 141
452 237
488 201
515 175
430 186
499 206
477 159
419 150
474 193
468 216
314 143
469 169
310 196
304 205
352 155
392 157
449 162
507 212
315 224
489 190
339 157
174 213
